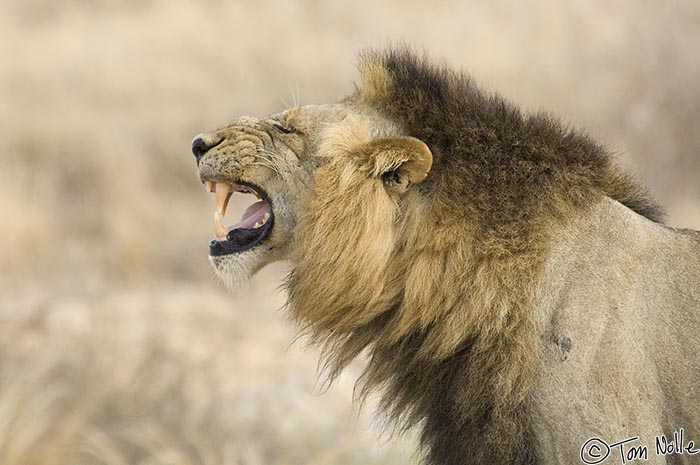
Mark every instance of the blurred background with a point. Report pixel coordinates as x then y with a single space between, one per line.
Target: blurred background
117 345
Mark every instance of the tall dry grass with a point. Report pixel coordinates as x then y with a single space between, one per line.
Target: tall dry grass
116 345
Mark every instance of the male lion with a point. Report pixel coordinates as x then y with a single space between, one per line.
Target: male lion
515 292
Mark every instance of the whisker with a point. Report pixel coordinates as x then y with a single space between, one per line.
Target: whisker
294 93
269 164
276 158
285 103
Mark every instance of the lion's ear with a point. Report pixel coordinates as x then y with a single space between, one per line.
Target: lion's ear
399 161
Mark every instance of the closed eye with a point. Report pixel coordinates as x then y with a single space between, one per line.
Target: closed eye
283 129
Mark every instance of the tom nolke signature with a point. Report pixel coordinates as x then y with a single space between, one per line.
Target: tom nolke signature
596 450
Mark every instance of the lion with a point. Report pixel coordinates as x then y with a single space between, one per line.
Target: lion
515 293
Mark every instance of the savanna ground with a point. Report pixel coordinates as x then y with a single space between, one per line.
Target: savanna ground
117 346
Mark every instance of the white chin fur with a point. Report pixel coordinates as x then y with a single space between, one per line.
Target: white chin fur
236 270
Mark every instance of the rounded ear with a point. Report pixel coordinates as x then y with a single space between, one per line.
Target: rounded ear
400 160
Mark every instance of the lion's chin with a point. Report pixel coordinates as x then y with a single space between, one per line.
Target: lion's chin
236 270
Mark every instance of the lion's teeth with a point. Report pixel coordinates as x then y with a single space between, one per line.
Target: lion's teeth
209 186
220 228
256 225
266 217
223 192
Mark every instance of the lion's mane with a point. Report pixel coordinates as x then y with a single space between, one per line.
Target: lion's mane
437 286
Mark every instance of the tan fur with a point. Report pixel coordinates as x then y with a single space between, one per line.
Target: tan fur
376 81
452 240
370 252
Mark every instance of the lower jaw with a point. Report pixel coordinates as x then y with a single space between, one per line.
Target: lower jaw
240 240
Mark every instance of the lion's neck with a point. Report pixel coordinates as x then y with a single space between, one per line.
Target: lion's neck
452 351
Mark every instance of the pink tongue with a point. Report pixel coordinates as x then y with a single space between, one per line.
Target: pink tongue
253 214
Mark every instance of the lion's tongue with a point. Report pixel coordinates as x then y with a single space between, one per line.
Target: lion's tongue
254 214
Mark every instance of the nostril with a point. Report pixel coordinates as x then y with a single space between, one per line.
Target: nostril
199 148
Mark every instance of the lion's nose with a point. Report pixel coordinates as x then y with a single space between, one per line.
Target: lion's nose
199 147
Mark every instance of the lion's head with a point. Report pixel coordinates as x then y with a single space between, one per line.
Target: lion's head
273 158
416 215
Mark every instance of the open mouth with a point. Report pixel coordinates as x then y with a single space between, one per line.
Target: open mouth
254 226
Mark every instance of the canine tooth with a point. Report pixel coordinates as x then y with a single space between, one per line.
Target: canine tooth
266 217
223 191
209 186
220 228
257 225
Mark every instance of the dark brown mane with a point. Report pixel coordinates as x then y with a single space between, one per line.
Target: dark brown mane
486 145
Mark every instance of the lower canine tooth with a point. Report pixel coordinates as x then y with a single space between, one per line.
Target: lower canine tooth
266 217
220 228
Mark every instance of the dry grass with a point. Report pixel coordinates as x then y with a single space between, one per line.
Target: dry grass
115 344
175 375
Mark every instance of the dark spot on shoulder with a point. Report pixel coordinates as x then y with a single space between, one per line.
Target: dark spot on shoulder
564 344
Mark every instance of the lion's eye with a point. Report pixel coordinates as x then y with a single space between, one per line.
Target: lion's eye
282 128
